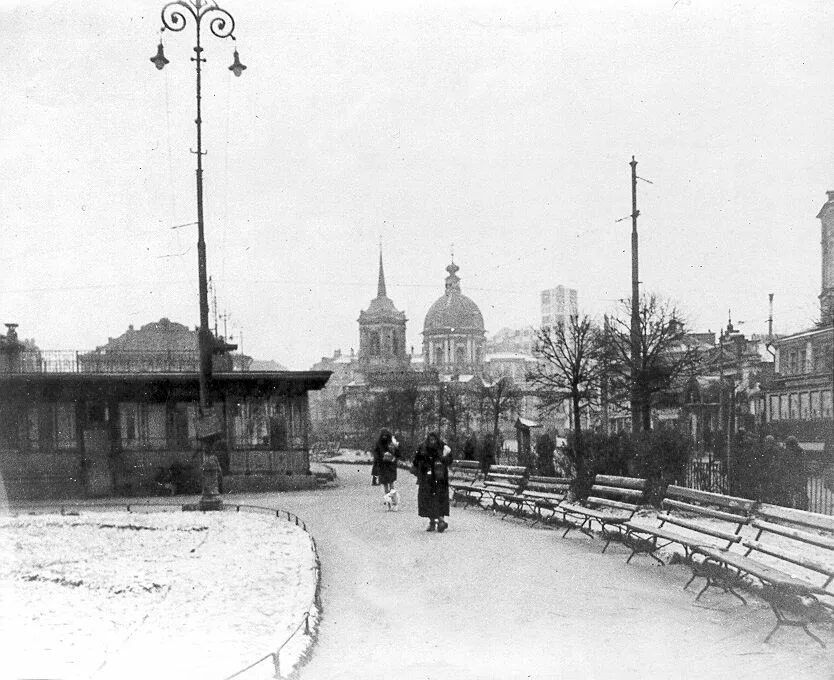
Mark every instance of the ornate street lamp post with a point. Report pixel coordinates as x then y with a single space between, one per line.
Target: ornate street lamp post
176 16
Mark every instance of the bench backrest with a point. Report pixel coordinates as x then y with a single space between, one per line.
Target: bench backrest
802 518
505 476
545 487
624 493
464 470
731 505
802 529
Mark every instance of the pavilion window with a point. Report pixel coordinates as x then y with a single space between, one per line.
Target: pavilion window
143 426
10 418
804 406
793 407
65 429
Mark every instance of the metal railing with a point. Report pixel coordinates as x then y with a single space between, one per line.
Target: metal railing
305 617
97 361
712 476
707 476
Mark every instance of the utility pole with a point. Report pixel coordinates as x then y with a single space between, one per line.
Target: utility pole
636 359
604 385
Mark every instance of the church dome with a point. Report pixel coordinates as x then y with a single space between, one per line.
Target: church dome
453 311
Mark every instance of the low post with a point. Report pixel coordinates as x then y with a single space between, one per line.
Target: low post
211 499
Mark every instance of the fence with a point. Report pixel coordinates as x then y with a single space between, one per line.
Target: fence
139 361
707 476
712 476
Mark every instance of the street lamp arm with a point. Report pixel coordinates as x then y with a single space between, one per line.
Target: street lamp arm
175 16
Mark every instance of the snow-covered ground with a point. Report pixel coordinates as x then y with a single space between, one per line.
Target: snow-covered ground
151 594
350 456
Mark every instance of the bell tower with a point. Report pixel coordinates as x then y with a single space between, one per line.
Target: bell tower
382 345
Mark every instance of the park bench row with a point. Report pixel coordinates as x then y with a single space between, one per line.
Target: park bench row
708 527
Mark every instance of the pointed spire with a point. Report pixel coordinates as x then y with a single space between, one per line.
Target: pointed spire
380 288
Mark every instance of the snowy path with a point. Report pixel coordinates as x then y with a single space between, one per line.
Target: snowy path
493 599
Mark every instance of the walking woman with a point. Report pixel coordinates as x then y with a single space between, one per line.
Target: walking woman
386 452
431 465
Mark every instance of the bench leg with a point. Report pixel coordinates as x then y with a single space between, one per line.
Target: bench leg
644 545
587 528
773 595
718 577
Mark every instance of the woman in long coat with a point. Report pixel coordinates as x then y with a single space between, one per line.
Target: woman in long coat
386 452
431 465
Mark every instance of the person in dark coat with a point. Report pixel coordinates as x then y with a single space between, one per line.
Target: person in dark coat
794 476
386 452
469 447
431 465
487 453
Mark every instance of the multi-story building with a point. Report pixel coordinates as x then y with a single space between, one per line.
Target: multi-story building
799 398
160 346
516 340
558 304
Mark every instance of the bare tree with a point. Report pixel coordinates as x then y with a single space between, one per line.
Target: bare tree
664 357
454 409
570 368
499 397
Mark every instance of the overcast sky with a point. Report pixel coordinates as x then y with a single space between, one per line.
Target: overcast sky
502 128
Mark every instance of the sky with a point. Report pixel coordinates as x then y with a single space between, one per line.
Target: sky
501 131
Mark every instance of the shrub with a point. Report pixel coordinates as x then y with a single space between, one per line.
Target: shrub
660 456
545 447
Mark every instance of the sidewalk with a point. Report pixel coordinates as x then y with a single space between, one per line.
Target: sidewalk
497 599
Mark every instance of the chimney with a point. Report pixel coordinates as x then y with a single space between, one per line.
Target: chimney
770 315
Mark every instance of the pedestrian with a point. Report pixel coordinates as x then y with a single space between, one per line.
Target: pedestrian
796 479
386 452
469 447
431 465
487 453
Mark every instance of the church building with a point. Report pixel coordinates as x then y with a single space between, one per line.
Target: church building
382 344
453 332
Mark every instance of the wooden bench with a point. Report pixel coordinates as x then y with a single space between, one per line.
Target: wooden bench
464 475
794 537
613 501
540 494
500 483
697 519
